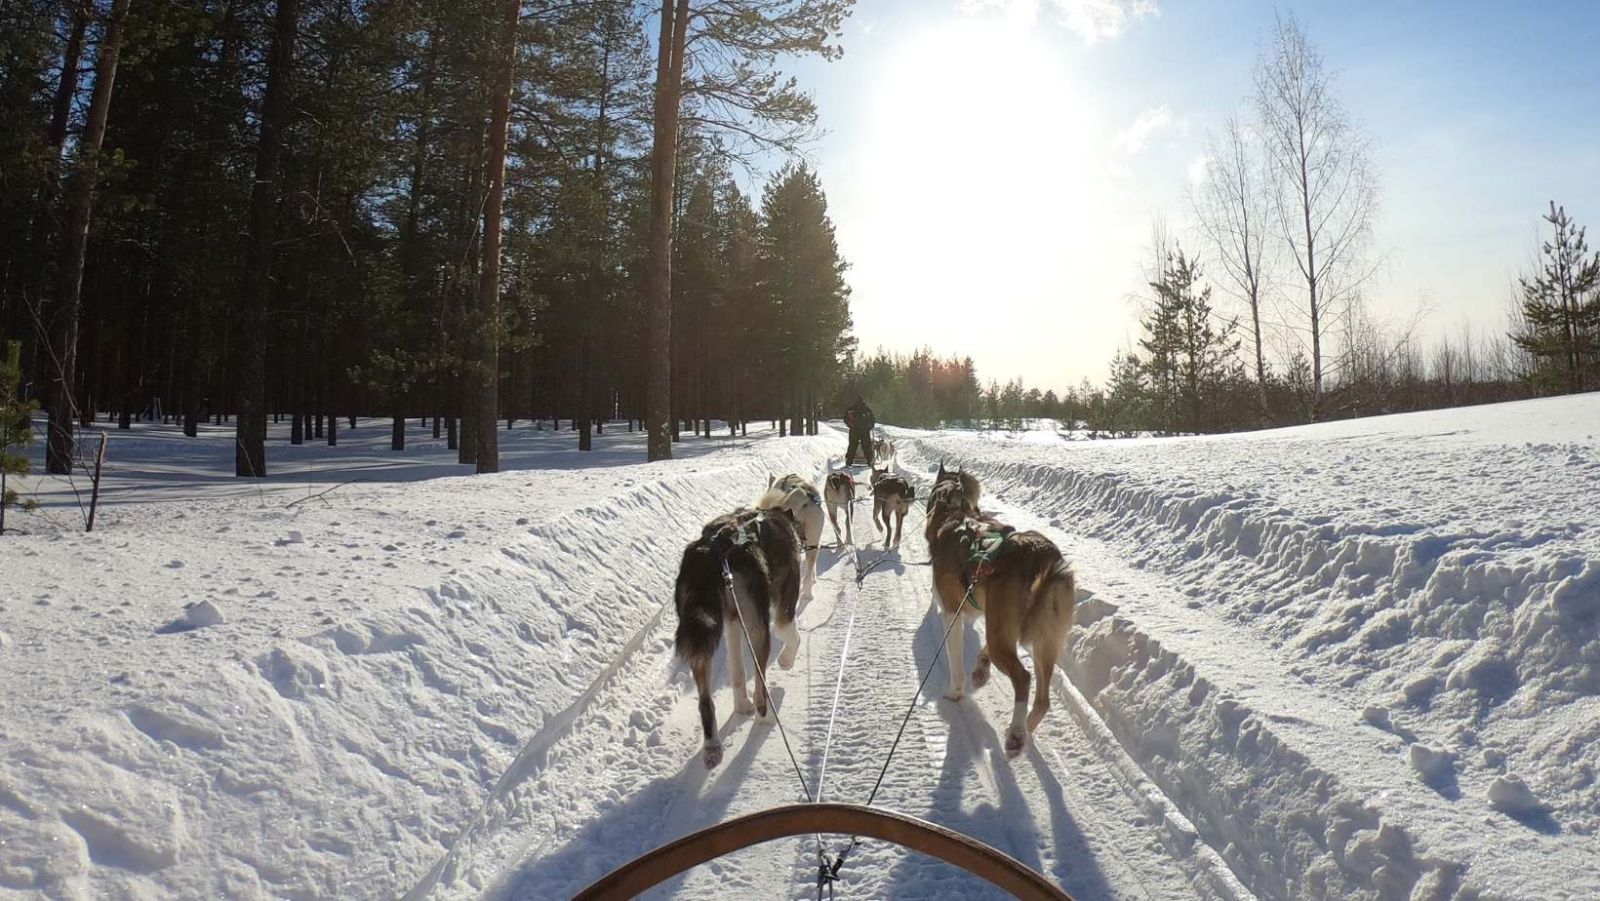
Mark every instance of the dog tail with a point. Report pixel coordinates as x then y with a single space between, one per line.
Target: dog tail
1055 592
698 595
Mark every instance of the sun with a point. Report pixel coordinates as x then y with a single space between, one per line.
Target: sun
979 174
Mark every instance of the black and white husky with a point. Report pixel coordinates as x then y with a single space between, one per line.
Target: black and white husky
796 494
750 558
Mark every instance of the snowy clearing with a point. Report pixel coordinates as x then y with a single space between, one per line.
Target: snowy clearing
1346 660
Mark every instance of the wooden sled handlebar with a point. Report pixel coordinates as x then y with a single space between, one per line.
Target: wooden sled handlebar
977 858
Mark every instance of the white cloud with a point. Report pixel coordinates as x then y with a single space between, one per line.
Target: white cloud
1198 168
1093 20
1131 140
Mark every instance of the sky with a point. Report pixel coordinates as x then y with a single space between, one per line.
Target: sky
994 167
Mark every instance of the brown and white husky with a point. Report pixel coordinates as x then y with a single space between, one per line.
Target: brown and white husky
1018 581
891 497
840 491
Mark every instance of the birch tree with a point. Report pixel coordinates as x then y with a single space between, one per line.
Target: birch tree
1324 188
1231 205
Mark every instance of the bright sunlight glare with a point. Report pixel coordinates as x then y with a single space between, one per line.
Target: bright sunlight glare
981 184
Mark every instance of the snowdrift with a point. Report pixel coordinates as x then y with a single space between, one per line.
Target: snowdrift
381 657
1367 656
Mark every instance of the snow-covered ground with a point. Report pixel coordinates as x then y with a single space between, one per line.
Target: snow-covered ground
1354 659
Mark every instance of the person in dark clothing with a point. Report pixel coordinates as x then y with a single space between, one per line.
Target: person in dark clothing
859 419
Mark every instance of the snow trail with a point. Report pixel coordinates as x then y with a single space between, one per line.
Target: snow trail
608 792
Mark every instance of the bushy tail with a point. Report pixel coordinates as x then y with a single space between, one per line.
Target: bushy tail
699 602
1055 601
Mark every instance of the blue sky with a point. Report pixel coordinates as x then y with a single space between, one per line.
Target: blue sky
994 166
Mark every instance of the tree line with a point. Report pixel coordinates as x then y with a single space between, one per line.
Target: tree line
471 211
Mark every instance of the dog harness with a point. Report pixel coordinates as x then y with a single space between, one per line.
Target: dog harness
731 536
983 542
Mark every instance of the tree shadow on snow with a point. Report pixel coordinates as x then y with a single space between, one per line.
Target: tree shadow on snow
153 461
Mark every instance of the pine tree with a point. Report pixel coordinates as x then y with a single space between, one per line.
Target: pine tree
1191 352
16 427
730 84
1561 310
801 279
1127 395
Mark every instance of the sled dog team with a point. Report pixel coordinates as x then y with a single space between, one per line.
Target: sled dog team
754 565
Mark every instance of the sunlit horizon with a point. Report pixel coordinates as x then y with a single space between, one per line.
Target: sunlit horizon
994 168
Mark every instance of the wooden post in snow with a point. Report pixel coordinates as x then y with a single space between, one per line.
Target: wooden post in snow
94 494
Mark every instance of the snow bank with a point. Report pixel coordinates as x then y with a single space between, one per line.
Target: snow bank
1441 570
350 678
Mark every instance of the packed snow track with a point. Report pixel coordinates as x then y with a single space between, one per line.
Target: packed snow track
620 773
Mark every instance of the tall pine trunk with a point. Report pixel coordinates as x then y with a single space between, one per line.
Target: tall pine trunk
658 275
80 204
250 432
487 344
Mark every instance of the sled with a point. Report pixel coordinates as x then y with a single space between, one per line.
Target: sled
652 868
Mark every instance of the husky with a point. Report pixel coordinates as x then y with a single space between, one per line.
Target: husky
759 551
840 491
883 449
794 493
891 496
1018 581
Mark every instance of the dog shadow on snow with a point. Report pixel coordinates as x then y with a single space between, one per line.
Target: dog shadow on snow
660 812
972 742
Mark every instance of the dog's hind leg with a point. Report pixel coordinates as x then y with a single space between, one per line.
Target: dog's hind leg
712 750
733 635
1044 667
813 538
980 673
763 642
954 650
1004 655
833 518
788 603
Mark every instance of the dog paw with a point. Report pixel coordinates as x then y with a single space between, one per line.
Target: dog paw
1016 740
713 755
786 659
766 714
743 706
1035 717
954 694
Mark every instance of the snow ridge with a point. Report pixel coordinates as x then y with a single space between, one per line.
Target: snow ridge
1474 634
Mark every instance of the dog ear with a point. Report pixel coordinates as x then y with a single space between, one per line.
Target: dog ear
770 479
941 470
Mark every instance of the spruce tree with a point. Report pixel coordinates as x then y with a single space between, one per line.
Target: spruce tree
16 427
1561 310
